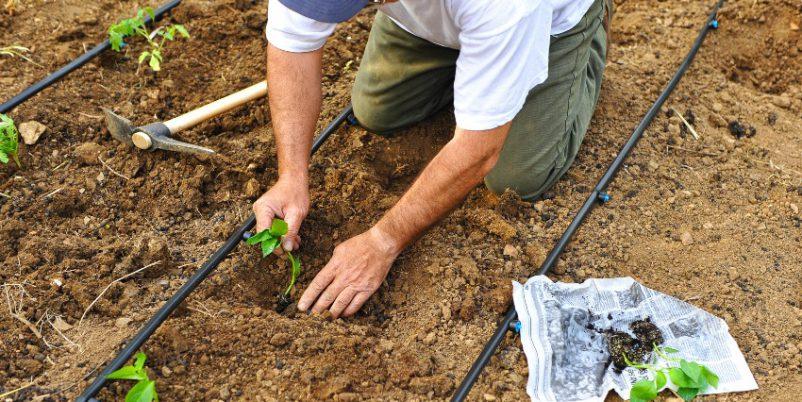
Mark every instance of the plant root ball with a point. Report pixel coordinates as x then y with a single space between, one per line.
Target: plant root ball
637 349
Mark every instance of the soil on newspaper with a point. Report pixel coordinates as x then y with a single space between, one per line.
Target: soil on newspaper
636 348
713 220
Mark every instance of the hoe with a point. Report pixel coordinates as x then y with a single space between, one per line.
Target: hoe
158 135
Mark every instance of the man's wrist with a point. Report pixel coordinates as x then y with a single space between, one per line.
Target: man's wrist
389 242
297 176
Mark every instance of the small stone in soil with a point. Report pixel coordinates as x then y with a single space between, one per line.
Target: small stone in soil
686 238
30 131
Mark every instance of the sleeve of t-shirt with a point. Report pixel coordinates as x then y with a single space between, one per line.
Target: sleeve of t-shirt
498 65
293 32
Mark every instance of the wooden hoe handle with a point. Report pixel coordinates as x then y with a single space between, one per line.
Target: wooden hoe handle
217 107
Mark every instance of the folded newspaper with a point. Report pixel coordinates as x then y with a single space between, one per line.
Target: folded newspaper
569 359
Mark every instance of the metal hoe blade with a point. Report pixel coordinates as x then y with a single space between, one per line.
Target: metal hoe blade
119 127
151 137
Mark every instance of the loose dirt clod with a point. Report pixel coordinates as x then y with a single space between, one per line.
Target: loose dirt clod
740 130
638 348
88 152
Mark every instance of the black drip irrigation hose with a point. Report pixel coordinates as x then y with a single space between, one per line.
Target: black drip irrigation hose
75 64
195 280
597 196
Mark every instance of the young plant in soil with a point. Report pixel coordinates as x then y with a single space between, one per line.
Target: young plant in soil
145 389
9 140
17 51
690 378
269 240
155 39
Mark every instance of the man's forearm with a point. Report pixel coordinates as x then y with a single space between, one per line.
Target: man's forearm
294 96
450 176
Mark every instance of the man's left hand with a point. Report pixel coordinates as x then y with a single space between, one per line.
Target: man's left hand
356 270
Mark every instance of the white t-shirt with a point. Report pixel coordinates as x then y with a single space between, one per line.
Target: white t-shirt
503 44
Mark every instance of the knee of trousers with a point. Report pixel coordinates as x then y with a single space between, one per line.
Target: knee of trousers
529 185
371 114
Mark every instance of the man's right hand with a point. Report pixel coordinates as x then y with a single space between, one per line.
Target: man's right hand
289 200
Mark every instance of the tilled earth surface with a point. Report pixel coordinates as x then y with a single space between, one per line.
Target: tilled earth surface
714 220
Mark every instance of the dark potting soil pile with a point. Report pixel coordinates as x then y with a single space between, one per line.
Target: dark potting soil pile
714 221
636 348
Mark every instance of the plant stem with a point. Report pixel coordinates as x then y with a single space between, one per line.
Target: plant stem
292 280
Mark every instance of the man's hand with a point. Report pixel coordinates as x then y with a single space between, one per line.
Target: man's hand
288 200
355 271
293 80
360 264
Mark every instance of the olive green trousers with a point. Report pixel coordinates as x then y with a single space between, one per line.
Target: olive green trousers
403 79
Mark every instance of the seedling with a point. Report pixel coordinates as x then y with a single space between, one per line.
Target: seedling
155 39
690 378
269 240
17 51
9 140
145 389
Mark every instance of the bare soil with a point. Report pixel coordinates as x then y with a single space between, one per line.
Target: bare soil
714 221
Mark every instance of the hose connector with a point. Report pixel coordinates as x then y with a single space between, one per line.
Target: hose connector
246 236
603 198
515 326
351 119
714 24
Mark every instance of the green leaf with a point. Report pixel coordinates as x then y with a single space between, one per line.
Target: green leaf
687 394
9 139
710 376
5 122
139 360
155 65
692 370
143 56
669 349
269 245
660 380
116 40
258 238
169 34
151 14
644 390
128 373
181 30
279 227
679 378
143 391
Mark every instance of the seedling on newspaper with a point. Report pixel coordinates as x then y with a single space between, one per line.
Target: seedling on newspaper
690 378
155 39
9 140
145 389
269 240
